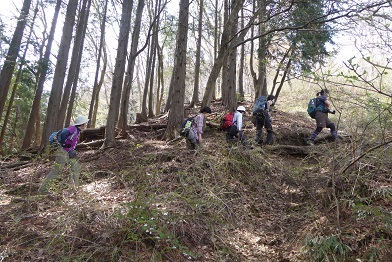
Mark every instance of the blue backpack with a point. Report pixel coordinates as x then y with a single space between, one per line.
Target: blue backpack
55 137
260 105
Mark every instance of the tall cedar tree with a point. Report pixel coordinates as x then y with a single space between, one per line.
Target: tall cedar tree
10 61
51 123
119 70
177 84
43 66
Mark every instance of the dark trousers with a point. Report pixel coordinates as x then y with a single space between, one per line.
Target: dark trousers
263 121
234 134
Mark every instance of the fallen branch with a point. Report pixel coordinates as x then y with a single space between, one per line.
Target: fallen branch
17 165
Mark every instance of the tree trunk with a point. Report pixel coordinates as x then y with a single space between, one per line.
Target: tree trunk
260 83
51 123
100 83
96 87
231 101
10 61
154 44
223 52
160 89
16 82
225 68
177 84
119 69
123 120
195 96
229 98
143 112
77 71
284 74
72 76
241 64
43 66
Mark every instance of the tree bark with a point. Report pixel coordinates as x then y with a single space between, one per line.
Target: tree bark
43 66
119 69
223 52
74 67
231 96
177 84
195 96
10 61
97 84
160 89
154 43
51 123
123 120
241 64
16 82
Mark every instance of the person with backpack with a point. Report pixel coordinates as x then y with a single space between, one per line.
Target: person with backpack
261 114
235 131
322 108
67 139
194 138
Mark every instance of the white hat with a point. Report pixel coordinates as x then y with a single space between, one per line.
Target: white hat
241 108
80 120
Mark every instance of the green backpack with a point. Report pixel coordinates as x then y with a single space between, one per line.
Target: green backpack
186 126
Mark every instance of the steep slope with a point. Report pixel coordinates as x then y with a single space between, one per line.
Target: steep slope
148 200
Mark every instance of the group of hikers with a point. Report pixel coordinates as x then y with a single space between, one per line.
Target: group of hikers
261 118
234 130
66 140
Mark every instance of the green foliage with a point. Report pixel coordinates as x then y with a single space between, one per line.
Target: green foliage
370 212
20 111
325 249
310 42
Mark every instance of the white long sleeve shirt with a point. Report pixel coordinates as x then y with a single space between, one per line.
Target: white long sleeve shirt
237 120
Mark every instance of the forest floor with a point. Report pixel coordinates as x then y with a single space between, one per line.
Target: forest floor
149 200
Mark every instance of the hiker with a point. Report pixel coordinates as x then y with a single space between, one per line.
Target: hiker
322 120
263 119
195 135
65 154
235 131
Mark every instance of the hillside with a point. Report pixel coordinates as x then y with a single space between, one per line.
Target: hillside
148 200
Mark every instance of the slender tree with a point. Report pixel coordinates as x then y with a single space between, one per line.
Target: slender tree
229 97
241 91
223 52
98 83
7 70
74 67
51 123
260 78
195 96
177 84
17 79
119 70
123 120
43 66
